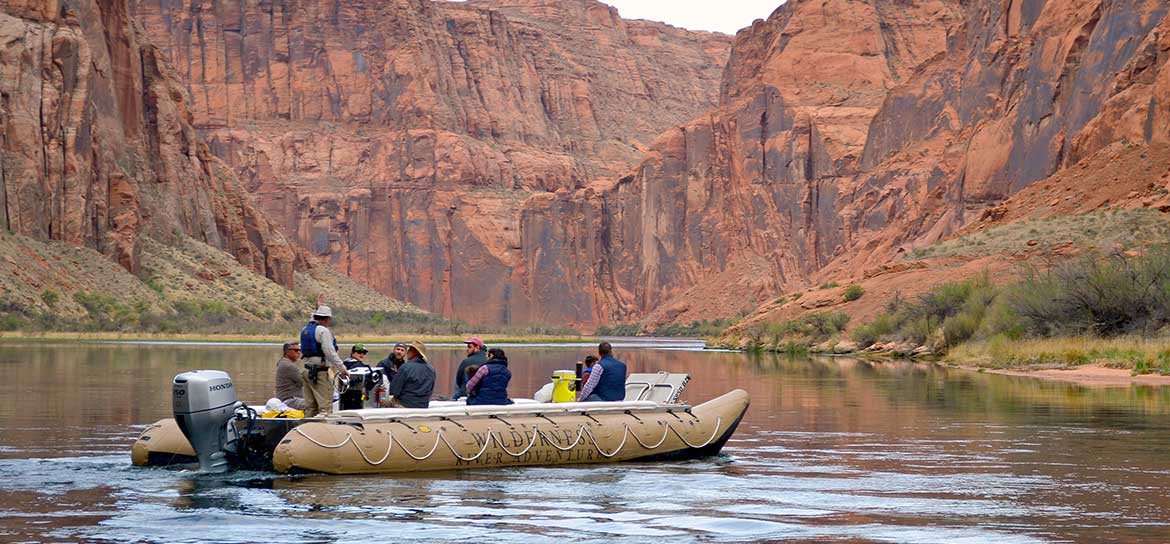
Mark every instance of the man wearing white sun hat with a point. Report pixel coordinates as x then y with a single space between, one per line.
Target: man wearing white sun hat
319 349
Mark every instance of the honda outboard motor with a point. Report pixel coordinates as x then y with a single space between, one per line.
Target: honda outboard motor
204 403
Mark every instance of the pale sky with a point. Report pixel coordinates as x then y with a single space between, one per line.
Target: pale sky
726 16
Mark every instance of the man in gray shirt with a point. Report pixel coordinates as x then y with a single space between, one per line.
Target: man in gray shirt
289 384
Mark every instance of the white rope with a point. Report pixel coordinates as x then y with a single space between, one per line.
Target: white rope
403 446
665 433
500 442
348 437
718 421
486 443
625 436
581 433
389 446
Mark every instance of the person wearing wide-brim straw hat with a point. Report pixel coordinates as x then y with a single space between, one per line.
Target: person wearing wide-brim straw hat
419 348
415 382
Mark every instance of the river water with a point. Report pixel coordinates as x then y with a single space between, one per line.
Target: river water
830 450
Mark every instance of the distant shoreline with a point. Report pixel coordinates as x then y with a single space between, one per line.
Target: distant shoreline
194 338
130 338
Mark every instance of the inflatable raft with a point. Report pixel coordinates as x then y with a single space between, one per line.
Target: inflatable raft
649 426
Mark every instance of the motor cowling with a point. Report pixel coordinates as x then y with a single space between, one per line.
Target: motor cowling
204 402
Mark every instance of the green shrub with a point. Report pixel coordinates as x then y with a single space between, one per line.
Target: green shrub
853 292
1104 296
50 297
1001 319
1163 362
881 328
704 328
154 285
960 328
619 329
830 285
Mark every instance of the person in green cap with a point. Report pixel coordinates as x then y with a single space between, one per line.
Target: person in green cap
357 356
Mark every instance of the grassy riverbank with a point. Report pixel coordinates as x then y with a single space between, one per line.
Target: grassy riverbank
1134 353
1100 314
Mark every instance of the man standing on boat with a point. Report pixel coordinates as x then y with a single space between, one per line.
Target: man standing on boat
475 357
320 354
607 380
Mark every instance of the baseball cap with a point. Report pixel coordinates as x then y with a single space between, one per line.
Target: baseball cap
475 341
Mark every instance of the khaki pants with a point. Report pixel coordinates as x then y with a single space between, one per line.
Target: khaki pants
318 396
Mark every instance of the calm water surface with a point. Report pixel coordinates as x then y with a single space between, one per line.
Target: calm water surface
830 450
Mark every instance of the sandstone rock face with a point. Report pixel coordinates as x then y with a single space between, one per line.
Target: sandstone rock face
1024 90
96 144
1025 93
516 161
401 139
828 166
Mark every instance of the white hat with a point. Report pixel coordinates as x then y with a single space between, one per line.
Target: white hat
323 311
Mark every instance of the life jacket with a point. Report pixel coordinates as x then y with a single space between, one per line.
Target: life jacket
309 345
612 385
493 388
286 414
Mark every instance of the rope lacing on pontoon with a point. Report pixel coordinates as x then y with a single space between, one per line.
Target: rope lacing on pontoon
582 432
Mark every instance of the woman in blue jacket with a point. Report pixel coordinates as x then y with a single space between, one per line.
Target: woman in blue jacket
489 385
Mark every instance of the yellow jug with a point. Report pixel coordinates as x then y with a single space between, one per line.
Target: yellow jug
564 386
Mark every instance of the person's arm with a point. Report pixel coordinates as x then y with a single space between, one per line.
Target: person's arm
594 377
460 382
474 381
331 356
398 383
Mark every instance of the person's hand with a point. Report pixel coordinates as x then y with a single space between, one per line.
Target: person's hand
320 300
345 374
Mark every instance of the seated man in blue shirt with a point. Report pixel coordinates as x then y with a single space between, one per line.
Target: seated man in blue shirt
607 380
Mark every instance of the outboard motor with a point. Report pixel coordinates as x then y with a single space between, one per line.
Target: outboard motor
204 403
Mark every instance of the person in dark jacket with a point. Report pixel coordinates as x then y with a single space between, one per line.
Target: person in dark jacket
357 356
475 356
415 382
393 362
489 385
607 380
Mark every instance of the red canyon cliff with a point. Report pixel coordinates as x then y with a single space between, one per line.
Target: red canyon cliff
97 148
402 140
540 161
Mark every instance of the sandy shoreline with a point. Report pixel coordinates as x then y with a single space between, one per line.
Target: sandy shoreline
1086 375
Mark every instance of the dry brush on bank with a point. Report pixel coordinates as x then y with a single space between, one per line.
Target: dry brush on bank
1111 309
1103 308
